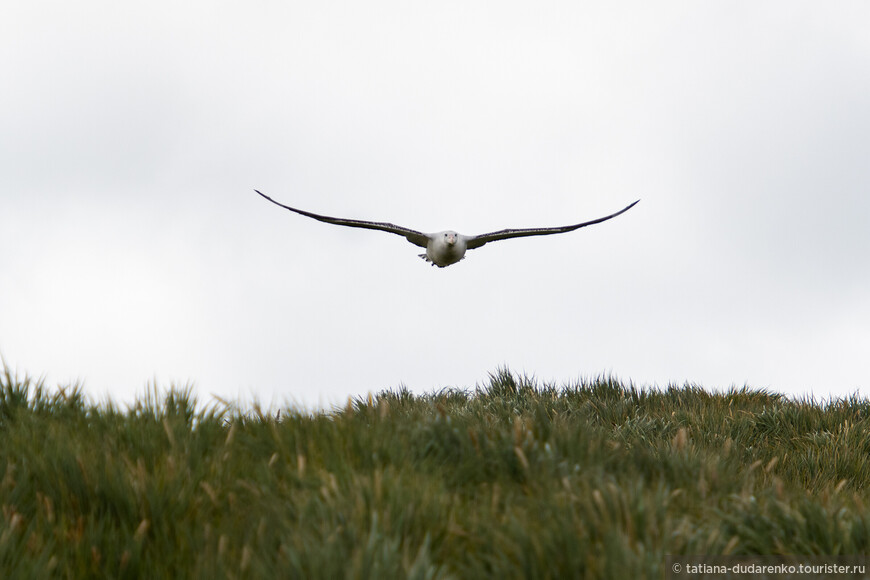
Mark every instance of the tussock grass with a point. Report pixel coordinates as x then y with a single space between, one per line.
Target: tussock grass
511 479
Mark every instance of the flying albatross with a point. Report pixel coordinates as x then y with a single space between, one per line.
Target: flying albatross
448 247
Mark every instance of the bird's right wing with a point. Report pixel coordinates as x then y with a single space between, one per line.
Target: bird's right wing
413 236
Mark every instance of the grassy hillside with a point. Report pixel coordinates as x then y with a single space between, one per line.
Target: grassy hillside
511 479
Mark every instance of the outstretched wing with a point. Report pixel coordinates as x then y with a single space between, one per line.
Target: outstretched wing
477 241
413 236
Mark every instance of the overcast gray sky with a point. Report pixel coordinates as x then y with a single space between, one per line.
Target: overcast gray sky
133 248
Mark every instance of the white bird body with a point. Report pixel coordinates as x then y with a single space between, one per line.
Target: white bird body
447 247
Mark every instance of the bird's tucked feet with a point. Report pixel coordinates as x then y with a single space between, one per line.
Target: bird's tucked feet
425 257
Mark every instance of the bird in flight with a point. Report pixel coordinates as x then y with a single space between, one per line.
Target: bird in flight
448 247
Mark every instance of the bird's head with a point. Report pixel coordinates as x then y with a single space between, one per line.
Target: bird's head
450 238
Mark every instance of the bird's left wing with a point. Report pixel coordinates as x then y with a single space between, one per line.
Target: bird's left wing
413 236
477 241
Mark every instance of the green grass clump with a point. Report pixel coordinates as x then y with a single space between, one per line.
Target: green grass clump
510 480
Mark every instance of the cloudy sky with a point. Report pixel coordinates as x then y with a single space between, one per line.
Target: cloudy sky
133 248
